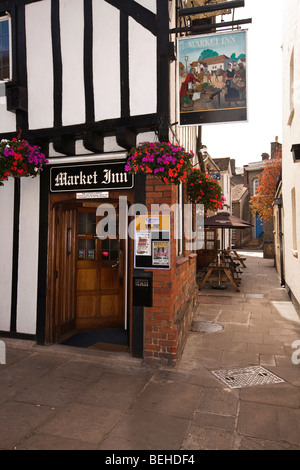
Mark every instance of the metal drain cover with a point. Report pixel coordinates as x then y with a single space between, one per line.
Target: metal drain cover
247 377
206 327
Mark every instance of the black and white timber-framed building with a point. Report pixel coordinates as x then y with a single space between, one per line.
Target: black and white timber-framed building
85 80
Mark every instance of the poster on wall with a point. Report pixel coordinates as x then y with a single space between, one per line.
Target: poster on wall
143 244
212 78
160 253
152 242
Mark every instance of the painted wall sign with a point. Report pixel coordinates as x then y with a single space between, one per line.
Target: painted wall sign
212 78
90 177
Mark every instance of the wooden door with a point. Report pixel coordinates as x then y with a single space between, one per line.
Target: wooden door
99 275
210 248
65 249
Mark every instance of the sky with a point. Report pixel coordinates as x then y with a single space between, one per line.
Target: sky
246 141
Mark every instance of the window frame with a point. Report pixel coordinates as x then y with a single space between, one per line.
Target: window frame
3 18
294 222
255 186
292 88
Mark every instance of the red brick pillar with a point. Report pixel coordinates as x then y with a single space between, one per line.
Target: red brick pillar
174 291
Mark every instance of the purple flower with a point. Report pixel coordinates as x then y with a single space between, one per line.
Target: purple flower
8 151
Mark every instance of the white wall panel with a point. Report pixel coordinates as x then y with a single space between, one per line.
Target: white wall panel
106 54
149 4
142 70
72 28
28 256
39 64
6 251
7 118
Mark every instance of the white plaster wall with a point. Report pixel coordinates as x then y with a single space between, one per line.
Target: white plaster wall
39 64
7 118
187 138
291 135
28 256
142 70
6 251
149 4
72 28
106 58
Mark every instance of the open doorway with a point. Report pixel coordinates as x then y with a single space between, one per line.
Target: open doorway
88 282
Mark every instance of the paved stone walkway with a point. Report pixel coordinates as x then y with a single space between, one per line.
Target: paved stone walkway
57 397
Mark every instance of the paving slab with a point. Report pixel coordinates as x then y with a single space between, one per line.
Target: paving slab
88 423
150 430
258 420
289 425
219 401
46 442
169 397
201 438
19 420
115 390
283 394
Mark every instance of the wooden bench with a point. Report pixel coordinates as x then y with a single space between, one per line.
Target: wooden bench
237 257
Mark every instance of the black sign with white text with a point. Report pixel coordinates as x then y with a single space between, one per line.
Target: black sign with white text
90 177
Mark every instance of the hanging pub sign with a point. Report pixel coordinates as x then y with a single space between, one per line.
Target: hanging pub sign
90 177
152 242
216 176
212 81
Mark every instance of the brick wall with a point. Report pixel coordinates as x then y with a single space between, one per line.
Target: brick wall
174 292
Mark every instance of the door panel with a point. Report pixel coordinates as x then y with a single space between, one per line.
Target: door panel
258 227
89 273
99 284
86 278
65 241
87 306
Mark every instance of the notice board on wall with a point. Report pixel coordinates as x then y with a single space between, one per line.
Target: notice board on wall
152 242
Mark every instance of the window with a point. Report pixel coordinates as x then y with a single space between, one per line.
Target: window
210 236
255 185
292 78
5 59
292 89
294 222
179 222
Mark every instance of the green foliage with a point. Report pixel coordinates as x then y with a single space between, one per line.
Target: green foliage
207 54
235 58
162 159
204 189
19 158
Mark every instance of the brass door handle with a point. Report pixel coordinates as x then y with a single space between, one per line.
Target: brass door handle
116 264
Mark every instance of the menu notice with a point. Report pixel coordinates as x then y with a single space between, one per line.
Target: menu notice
152 242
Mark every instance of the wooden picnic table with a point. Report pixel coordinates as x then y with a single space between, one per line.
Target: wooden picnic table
224 271
239 258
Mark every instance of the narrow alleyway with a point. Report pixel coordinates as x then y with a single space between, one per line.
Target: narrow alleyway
260 326
66 398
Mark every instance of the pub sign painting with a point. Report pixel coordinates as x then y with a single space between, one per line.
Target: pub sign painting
212 78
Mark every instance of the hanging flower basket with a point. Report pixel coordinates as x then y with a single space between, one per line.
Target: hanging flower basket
203 189
18 158
169 162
